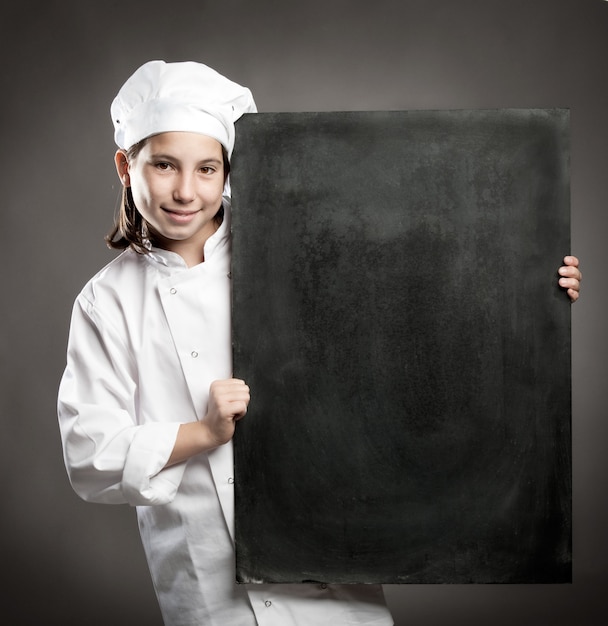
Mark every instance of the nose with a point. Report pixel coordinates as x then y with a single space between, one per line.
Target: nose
184 191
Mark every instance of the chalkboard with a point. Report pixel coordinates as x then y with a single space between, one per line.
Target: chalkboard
397 316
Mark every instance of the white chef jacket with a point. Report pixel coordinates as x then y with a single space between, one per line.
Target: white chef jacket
148 336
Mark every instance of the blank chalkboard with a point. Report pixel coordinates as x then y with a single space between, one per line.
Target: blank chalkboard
397 316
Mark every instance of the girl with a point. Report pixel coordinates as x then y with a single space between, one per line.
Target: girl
147 404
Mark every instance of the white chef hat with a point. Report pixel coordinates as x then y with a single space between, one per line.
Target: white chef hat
163 97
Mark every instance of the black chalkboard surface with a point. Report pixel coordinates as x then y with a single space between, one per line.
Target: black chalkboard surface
397 316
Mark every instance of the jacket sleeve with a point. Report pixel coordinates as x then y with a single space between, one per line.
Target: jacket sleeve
109 457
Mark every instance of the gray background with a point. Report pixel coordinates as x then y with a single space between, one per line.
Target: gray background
68 562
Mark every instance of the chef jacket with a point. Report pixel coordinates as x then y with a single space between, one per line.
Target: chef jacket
148 335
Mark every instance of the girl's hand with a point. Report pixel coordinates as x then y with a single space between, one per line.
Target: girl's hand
228 401
570 277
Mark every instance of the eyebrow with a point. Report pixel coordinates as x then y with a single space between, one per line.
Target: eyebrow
161 156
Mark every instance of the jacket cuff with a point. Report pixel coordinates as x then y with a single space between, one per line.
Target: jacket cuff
144 480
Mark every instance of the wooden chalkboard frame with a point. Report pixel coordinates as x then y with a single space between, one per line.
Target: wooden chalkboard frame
397 315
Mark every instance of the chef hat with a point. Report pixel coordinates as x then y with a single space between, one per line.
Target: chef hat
162 97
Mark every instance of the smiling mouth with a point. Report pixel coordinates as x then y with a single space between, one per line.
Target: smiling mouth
180 216
177 212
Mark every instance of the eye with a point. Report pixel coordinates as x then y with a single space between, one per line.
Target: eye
207 169
163 166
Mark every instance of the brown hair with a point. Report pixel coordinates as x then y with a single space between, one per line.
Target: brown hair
130 229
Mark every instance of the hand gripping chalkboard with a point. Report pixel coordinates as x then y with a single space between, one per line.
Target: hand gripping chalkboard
397 316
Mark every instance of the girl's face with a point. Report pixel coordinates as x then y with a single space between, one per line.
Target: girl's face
177 180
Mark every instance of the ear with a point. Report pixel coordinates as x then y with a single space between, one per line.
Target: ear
122 167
